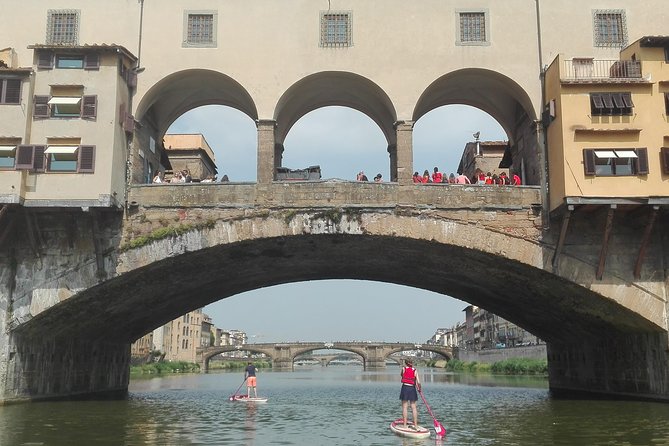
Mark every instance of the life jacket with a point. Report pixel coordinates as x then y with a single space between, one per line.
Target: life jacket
409 376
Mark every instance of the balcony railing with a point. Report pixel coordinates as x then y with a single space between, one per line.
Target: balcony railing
587 69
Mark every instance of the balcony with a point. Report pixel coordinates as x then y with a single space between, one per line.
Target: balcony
587 70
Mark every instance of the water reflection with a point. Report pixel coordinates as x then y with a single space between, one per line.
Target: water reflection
334 406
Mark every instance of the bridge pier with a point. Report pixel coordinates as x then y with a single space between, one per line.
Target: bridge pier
282 364
616 365
48 368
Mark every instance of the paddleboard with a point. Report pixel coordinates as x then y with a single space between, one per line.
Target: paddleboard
248 399
409 431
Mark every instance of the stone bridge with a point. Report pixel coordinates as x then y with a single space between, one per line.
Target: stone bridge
78 287
373 354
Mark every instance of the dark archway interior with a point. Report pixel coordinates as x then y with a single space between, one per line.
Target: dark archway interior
127 307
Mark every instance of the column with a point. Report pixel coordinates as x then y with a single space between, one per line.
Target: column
392 153
266 150
404 152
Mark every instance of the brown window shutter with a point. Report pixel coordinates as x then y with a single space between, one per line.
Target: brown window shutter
39 158
642 161
589 161
24 157
41 107
89 107
92 61
12 91
86 159
45 60
666 102
132 79
665 160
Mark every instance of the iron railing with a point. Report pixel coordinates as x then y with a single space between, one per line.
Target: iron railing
590 69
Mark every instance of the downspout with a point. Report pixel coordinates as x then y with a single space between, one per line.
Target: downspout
543 150
141 22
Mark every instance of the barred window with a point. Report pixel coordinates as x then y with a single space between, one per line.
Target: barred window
200 29
62 27
610 28
336 29
472 27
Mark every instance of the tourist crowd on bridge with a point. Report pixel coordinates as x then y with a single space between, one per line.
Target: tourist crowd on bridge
479 178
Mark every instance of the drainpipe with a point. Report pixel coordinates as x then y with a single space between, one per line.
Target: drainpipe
141 21
543 143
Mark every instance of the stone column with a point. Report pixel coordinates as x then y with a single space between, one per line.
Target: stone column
278 155
266 150
404 151
7 274
392 153
622 365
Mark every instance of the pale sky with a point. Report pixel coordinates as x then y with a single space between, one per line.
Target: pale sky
342 141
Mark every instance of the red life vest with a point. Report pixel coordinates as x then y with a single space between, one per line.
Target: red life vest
409 376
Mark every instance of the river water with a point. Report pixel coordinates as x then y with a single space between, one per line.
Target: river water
337 405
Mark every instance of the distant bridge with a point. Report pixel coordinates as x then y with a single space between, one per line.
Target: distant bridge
373 354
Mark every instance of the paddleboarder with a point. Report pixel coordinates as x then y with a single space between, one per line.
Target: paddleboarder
408 394
250 377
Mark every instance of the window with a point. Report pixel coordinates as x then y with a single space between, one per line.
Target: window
84 107
10 91
615 162
69 61
664 152
610 28
336 29
200 29
47 59
472 28
666 103
62 27
66 158
7 156
611 104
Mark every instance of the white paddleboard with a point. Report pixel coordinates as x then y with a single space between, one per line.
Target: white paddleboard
248 399
409 431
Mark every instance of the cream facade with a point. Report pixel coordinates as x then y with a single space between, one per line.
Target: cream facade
179 339
608 127
394 64
190 152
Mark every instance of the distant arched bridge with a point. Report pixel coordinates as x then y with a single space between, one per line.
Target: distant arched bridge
373 354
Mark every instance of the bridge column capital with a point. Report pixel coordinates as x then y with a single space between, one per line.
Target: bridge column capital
266 150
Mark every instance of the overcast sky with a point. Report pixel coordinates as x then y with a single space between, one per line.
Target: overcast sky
341 141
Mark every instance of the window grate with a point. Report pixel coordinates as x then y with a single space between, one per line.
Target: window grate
610 28
472 27
62 27
200 29
336 29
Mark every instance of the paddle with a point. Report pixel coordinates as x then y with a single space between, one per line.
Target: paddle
232 397
439 429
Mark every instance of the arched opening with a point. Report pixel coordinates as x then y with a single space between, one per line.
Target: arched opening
230 133
341 140
441 135
339 93
501 98
184 99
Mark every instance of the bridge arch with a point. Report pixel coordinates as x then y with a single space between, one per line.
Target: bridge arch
499 96
184 90
335 88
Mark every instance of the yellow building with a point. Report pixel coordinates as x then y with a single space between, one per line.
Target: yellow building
608 128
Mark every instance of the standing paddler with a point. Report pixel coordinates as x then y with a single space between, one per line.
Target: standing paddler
408 394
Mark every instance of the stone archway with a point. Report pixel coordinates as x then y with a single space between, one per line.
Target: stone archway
503 99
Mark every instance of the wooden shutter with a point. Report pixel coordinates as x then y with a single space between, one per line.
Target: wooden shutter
665 160
589 161
642 161
12 91
92 61
41 107
39 160
24 157
666 102
86 159
89 107
45 60
132 79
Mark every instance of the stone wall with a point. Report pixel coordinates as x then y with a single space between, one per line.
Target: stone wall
490 356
